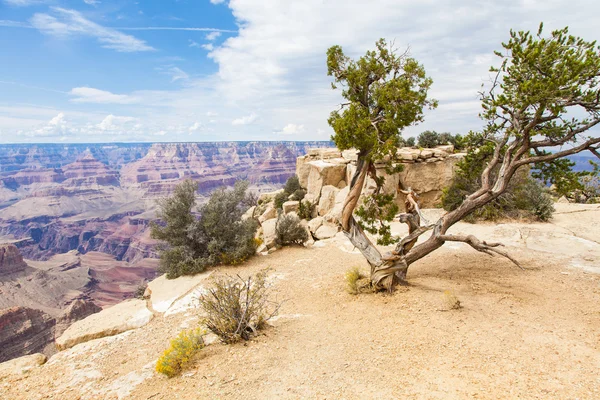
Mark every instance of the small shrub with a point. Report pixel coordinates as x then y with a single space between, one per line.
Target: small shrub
450 301
428 139
353 276
280 199
305 210
410 142
292 185
289 230
140 290
181 352
236 309
298 195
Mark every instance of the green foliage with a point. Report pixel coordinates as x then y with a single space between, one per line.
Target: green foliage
305 209
280 198
218 236
352 277
386 92
577 186
374 214
236 308
288 230
292 185
429 139
525 197
410 142
181 352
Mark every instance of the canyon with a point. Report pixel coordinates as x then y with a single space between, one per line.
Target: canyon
74 222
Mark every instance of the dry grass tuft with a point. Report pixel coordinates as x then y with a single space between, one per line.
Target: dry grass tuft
181 352
450 301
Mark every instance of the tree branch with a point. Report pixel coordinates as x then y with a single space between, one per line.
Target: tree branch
488 248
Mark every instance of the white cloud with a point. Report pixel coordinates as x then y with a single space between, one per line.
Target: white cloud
217 1
195 127
92 95
57 127
246 120
66 23
193 43
116 123
291 129
212 35
208 46
91 2
177 74
24 3
211 114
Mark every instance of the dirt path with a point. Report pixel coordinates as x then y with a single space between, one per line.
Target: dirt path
520 334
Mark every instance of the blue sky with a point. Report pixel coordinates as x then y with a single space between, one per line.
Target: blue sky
204 70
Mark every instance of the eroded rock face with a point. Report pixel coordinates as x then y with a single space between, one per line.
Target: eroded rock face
11 260
122 317
24 331
77 310
325 174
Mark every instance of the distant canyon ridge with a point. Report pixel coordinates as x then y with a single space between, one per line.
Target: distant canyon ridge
83 210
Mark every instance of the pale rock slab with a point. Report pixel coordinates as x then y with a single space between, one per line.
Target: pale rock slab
269 233
326 231
269 213
315 224
166 291
131 314
21 365
327 200
291 206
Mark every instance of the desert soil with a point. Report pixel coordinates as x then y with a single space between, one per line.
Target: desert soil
531 334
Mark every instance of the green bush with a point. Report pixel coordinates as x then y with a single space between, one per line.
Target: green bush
280 198
410 142
525 197
428 139
181 352
288 230
292 185
217 236
236 308
305 209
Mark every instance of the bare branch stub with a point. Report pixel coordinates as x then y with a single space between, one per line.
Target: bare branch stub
482 246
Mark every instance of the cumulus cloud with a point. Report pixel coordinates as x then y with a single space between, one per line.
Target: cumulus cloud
217 1
65 23
208 47
291 129
246 120
212 35
115 123
92 95
57 127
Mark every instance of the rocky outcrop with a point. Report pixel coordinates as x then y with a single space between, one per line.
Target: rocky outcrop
77 310
21 365
122 317
11 260
24 331
325 172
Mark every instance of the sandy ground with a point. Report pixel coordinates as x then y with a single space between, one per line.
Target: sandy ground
529 334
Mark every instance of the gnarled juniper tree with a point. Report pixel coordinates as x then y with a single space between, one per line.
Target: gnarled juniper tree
543 99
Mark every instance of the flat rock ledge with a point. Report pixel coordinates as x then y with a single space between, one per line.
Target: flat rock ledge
21 365
131 314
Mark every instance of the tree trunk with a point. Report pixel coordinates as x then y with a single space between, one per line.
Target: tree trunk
386 270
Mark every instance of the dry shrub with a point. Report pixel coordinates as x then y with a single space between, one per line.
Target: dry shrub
289 230
450 301
237 308
353 280
181 352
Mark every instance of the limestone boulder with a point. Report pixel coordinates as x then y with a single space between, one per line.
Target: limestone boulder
335 214
428 179
350 154
324 153
326 230
327 200
315 224
310 241
269 233
21 365
131 314
447 148
269 213
323 173
302 170
426 153
291 206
